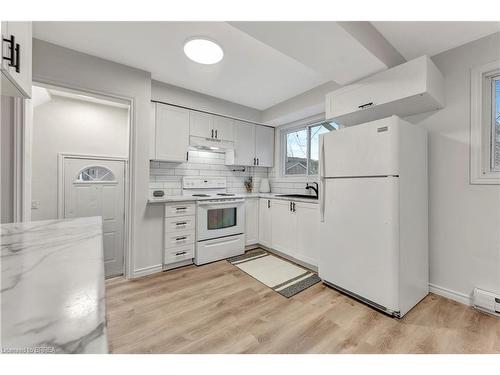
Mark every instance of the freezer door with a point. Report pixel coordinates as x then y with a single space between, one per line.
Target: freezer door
359 238
369 149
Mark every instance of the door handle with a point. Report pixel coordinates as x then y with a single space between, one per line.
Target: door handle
215 133
12 42
181 223
181 238
268 203
180 253
293 206
290 206
257 161
212 133
363 106
254 161
17 64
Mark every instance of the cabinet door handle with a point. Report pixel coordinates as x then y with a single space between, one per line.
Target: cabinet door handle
293 205
212 133
362 106
181 238
258 161
290 206
215 133
180 253
17 65
12 42
181 223
181 208
268 203
253 161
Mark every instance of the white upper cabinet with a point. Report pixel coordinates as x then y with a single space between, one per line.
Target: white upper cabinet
253 145
413 87
244 143
171 133
16 59
201 124
210 126
223 128
264 146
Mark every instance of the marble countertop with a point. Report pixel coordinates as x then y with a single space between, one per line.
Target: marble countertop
52 290
184 198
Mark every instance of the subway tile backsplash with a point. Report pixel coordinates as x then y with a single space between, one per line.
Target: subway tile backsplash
168 176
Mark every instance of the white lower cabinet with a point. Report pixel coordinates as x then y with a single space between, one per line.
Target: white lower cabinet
179 232
265 221
251 221
284 224
307 239
295 230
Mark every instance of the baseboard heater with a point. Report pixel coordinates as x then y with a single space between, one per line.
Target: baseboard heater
486 301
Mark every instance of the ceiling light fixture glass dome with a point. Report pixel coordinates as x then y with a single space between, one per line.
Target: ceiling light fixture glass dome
203 51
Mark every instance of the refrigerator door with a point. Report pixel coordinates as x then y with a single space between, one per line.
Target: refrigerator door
369 149
359 238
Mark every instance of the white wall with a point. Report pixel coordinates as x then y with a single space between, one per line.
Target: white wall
464 221
65 67
7 160
65 125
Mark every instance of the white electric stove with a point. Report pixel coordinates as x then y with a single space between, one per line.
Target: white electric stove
220 219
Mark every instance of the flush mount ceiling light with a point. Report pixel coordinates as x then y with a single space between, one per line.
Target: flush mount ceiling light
203 51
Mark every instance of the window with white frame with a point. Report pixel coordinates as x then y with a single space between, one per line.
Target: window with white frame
300 147
485 124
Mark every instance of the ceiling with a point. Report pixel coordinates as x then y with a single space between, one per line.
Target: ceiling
414 39
265 63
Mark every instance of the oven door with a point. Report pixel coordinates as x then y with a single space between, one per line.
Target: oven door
220 218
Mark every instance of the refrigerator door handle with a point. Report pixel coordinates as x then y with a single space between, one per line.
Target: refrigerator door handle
322 189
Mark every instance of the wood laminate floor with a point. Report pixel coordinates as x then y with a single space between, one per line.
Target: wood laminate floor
217 308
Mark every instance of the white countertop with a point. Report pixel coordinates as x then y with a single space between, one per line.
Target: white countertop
52 291
187 198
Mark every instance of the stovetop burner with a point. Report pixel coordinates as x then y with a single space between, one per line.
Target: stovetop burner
225 194
200 195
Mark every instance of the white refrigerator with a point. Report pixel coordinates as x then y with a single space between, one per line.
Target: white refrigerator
373 213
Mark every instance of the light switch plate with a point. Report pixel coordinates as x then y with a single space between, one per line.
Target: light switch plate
35 205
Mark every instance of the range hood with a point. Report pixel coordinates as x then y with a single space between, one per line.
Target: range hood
210 144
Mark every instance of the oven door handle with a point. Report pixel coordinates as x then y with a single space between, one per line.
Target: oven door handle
221 202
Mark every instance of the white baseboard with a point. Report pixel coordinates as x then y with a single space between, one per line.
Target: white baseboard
450 294
147 271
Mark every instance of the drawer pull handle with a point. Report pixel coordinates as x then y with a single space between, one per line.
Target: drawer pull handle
181 238
181 223
181 253
362 106
181 208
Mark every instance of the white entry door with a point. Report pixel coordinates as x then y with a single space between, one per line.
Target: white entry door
95 187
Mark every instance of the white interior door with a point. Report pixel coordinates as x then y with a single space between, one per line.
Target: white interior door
95 187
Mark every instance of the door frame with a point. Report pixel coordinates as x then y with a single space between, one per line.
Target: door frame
129 165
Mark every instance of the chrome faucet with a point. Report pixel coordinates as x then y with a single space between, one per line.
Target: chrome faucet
313 188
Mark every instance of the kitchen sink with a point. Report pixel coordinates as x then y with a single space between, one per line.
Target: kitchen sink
297 196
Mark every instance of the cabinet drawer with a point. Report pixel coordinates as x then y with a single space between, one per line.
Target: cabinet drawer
175 240
178 254
179 223
179 209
